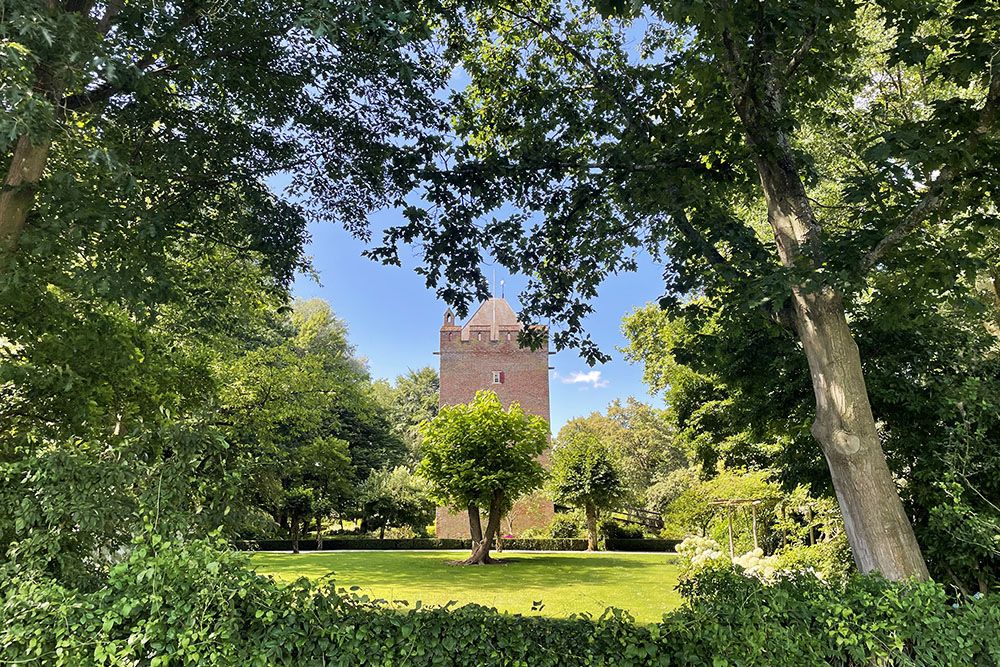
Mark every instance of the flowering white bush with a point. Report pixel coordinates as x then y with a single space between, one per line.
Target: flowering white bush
756 564
700 551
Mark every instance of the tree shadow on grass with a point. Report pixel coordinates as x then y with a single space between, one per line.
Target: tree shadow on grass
396 569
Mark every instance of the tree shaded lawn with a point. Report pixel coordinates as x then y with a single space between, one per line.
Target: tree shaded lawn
642 584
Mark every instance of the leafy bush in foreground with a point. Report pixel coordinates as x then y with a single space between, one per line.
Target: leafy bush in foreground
194 604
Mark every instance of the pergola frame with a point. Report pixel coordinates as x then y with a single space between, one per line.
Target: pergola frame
731 504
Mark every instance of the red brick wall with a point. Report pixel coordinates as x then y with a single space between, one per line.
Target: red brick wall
466 367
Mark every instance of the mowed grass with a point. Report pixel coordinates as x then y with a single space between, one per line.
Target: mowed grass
565 583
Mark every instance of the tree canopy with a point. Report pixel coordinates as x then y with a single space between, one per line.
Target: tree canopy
145 262
482 455
585 474
412 399
639 437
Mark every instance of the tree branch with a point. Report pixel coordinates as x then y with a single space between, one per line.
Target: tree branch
105 92
600 81
111 12
706 249
802 50
940 186
189 15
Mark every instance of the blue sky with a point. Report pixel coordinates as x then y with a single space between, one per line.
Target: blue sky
394 319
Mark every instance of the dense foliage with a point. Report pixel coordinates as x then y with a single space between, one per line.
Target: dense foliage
642 440
188 604
412 399
301 413
150 373
395 498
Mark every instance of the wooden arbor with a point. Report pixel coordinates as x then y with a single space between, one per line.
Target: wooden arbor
731 505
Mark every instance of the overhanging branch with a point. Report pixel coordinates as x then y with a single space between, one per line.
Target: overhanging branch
936 195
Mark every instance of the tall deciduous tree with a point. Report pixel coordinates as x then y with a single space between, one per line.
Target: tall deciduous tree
584 474
758 144
480 454
300 412
394 498
932 375
137 140
412 399
640 438
297 504
133 115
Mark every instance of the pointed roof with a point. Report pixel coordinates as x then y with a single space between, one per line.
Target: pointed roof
493 313
483 317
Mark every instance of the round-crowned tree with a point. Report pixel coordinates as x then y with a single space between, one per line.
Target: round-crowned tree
298 506
584 474
479 454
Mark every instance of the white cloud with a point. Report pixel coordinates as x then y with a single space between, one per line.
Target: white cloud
591 378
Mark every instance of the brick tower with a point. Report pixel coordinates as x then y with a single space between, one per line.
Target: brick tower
484 354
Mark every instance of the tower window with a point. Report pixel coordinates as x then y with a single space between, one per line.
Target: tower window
497 377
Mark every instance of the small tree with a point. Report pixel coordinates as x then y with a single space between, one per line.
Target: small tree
480 454
584 475
324 466
298 507
394 498
321 509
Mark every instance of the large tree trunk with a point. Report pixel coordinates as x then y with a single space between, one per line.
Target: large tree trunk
475 525
481 551
18 195
591 527
878 529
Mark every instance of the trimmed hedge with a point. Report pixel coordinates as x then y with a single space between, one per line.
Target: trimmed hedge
515 544
355 543
193 604
645 544
551 544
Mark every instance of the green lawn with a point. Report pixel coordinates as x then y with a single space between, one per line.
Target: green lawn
565 583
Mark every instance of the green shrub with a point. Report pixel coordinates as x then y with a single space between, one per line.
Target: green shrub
533 533
195 604
830 558
387 544
610 529
645 544
802 620
567 525
354 543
